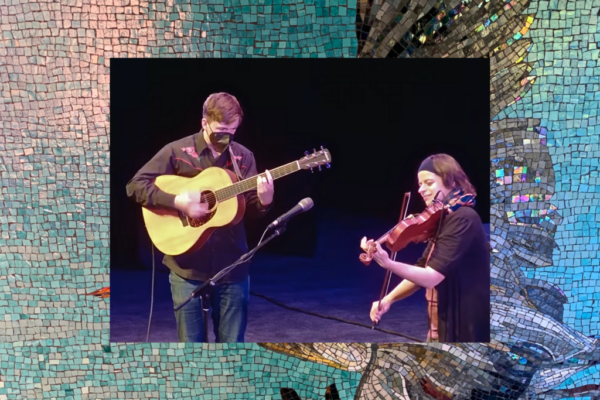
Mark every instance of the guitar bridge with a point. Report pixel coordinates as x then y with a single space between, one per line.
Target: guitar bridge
193 222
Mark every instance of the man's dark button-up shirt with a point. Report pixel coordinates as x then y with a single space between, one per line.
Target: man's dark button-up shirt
187 157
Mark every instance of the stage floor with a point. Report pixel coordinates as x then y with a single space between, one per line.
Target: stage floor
332 283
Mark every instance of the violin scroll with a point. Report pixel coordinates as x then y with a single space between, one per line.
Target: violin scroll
367 256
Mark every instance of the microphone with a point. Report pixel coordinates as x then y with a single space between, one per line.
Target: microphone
304 205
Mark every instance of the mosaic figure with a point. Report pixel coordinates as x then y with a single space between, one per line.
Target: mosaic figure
532 351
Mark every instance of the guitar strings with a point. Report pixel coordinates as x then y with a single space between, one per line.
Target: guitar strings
248 183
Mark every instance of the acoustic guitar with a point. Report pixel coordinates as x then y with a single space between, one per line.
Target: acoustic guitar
174 233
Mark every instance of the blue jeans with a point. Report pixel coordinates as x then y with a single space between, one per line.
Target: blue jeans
229 310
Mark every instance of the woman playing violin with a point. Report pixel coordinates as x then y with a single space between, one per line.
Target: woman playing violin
455 264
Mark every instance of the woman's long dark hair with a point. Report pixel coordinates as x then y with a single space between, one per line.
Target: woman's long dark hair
451 173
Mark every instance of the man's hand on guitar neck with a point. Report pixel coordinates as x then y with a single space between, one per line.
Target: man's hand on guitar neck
189 203
264 188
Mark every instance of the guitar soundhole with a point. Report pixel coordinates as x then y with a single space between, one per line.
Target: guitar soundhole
207 197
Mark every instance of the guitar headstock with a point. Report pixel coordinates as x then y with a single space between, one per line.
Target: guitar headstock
316 159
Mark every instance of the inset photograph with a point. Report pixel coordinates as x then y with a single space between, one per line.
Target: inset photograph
313 200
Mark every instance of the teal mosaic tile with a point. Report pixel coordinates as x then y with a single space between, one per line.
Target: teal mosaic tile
566 102
250 29
54 258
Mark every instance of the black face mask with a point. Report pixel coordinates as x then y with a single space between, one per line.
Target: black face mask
220 141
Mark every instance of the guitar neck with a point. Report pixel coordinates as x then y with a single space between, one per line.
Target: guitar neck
250 183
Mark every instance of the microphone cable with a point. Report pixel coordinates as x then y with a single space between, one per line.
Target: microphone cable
278 303
296 309
151 296
345 321
315 314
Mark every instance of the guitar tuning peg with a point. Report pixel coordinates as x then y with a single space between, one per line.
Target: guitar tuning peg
306 153
314 150
322 148
319 167
328 166
311 171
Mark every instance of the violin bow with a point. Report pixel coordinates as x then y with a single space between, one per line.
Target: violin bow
388 274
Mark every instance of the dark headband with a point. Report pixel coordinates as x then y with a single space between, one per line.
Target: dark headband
427 165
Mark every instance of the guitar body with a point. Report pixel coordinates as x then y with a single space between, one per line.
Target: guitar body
174 233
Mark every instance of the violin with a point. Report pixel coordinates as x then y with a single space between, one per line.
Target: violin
413 229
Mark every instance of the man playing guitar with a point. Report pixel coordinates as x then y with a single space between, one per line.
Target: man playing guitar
213 146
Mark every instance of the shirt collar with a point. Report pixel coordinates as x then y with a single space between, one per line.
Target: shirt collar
201 146
200 142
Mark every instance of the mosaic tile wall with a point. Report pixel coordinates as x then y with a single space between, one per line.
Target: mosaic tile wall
54 259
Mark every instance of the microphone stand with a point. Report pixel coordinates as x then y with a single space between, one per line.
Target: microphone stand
203 290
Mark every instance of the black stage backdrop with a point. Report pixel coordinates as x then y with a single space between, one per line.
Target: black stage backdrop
378 118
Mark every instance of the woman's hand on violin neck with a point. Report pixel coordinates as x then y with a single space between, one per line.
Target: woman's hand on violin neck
365 244
381 256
